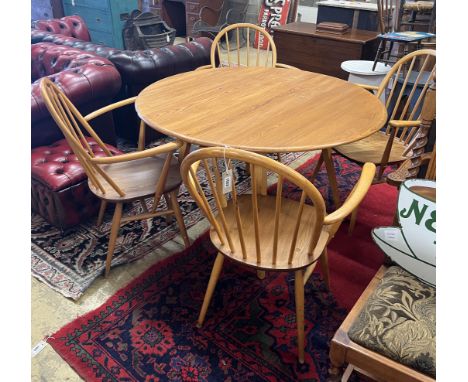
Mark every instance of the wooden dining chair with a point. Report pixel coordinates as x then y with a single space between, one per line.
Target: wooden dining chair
266 232
118 179
404 89
393 42
236 46
418 157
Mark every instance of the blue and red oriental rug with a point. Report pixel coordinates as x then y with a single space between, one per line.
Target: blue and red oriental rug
146 331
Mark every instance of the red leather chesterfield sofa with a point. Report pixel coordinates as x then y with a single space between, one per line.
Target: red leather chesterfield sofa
59 189
72 26
138 69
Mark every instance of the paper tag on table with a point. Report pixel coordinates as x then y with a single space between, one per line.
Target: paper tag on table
227 181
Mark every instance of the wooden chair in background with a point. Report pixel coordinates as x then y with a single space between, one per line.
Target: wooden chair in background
230 12
411 167
404 88
265 232
234 46
119 179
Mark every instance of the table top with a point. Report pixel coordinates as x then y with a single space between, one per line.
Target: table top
357 36
358 5
259 109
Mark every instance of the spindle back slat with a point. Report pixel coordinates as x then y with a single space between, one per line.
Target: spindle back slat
249 52
266 231
406 86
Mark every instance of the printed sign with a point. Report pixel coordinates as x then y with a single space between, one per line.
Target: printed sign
413 244
272 13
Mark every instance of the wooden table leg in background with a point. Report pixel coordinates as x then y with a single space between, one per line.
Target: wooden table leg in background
327 158
184 151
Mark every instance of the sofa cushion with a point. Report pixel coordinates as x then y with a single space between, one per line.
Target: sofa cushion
398 321
57 167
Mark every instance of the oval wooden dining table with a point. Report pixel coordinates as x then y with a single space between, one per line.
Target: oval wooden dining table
266 110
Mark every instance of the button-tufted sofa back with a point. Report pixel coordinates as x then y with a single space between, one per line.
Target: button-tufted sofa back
48 59
73 26
138 68
88 80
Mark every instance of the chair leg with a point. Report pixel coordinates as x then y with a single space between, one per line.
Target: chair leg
169 218
328 159
352 221
179 217
215 272
324 268
317 168
299 294
377 56
279 157
102 209
113 235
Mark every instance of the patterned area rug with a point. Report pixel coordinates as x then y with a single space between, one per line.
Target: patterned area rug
146 331
69 262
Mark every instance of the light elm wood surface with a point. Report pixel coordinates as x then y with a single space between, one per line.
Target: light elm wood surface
260 109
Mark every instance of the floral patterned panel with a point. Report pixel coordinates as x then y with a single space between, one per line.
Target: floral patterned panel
398 321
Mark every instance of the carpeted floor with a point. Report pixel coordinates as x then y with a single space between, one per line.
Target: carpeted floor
146 331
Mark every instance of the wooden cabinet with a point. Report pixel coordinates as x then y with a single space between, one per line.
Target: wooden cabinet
46 9
178 14
104 18
358 15
300 45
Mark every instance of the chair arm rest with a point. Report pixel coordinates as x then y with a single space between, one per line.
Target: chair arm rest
166 148
285 66
108 108
204 67
398 124
368 87
355 197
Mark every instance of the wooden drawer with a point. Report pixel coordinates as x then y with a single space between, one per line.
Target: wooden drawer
96 19
104 38
95 4
191 18
315 54
192 8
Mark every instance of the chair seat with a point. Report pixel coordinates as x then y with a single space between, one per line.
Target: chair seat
287 223
398 321
371 149
137 178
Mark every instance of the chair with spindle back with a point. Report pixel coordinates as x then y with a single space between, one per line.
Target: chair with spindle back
389 15
235 46
406 89
266 232
118 179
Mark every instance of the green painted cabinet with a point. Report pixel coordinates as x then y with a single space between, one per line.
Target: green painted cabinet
104 18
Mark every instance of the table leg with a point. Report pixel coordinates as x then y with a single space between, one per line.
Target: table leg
184 151
327 158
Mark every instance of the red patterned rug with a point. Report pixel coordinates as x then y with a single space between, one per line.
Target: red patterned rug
146 331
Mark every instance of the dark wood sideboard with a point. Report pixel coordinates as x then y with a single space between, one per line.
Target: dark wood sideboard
180 14
299 44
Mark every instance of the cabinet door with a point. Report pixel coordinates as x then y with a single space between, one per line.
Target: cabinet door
95 19
93 4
